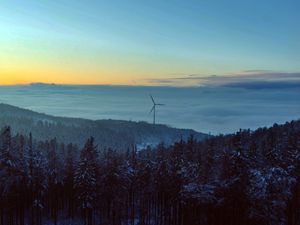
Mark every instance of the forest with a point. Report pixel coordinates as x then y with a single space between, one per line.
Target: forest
116 134
249 178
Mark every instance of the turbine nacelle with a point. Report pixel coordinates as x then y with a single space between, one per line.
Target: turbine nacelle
153 109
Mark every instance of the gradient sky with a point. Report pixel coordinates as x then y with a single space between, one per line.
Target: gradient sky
132 42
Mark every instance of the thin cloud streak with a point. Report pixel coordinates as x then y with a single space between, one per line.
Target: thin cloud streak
244 79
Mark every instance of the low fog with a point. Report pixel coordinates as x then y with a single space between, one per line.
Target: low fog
210 109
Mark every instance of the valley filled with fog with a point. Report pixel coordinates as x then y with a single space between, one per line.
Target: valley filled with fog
211 109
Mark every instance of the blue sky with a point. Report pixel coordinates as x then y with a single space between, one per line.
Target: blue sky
130 42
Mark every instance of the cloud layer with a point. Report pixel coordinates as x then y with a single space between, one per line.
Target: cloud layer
216 109
253 79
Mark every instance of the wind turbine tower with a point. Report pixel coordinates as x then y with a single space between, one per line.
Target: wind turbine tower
153 109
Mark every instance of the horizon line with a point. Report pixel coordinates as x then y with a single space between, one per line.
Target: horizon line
96 84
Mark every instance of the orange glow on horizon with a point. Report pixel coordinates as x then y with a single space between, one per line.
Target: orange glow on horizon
65 77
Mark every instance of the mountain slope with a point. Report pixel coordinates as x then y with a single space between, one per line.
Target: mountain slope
115 134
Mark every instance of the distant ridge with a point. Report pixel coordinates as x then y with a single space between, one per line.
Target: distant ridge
116 134
41 84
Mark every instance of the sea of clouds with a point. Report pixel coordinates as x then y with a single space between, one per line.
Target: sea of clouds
219 108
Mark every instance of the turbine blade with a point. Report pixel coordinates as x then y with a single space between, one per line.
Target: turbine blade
160 104
152 99
151 110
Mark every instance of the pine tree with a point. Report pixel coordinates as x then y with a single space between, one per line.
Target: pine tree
86 180
22 189
9 175
53 179
237 179
69 179
37 182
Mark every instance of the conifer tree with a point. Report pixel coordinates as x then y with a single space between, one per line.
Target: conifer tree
86 180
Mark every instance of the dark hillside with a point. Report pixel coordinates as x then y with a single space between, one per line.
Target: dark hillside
116 134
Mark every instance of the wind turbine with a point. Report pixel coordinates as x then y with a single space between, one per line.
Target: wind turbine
154 108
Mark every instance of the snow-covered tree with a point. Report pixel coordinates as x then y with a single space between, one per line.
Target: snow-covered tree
86 179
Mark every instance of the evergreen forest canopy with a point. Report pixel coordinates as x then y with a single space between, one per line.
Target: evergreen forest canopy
250 177
116 134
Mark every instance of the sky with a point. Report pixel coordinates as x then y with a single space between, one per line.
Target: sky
148 42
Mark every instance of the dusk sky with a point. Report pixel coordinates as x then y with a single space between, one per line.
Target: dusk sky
138 42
